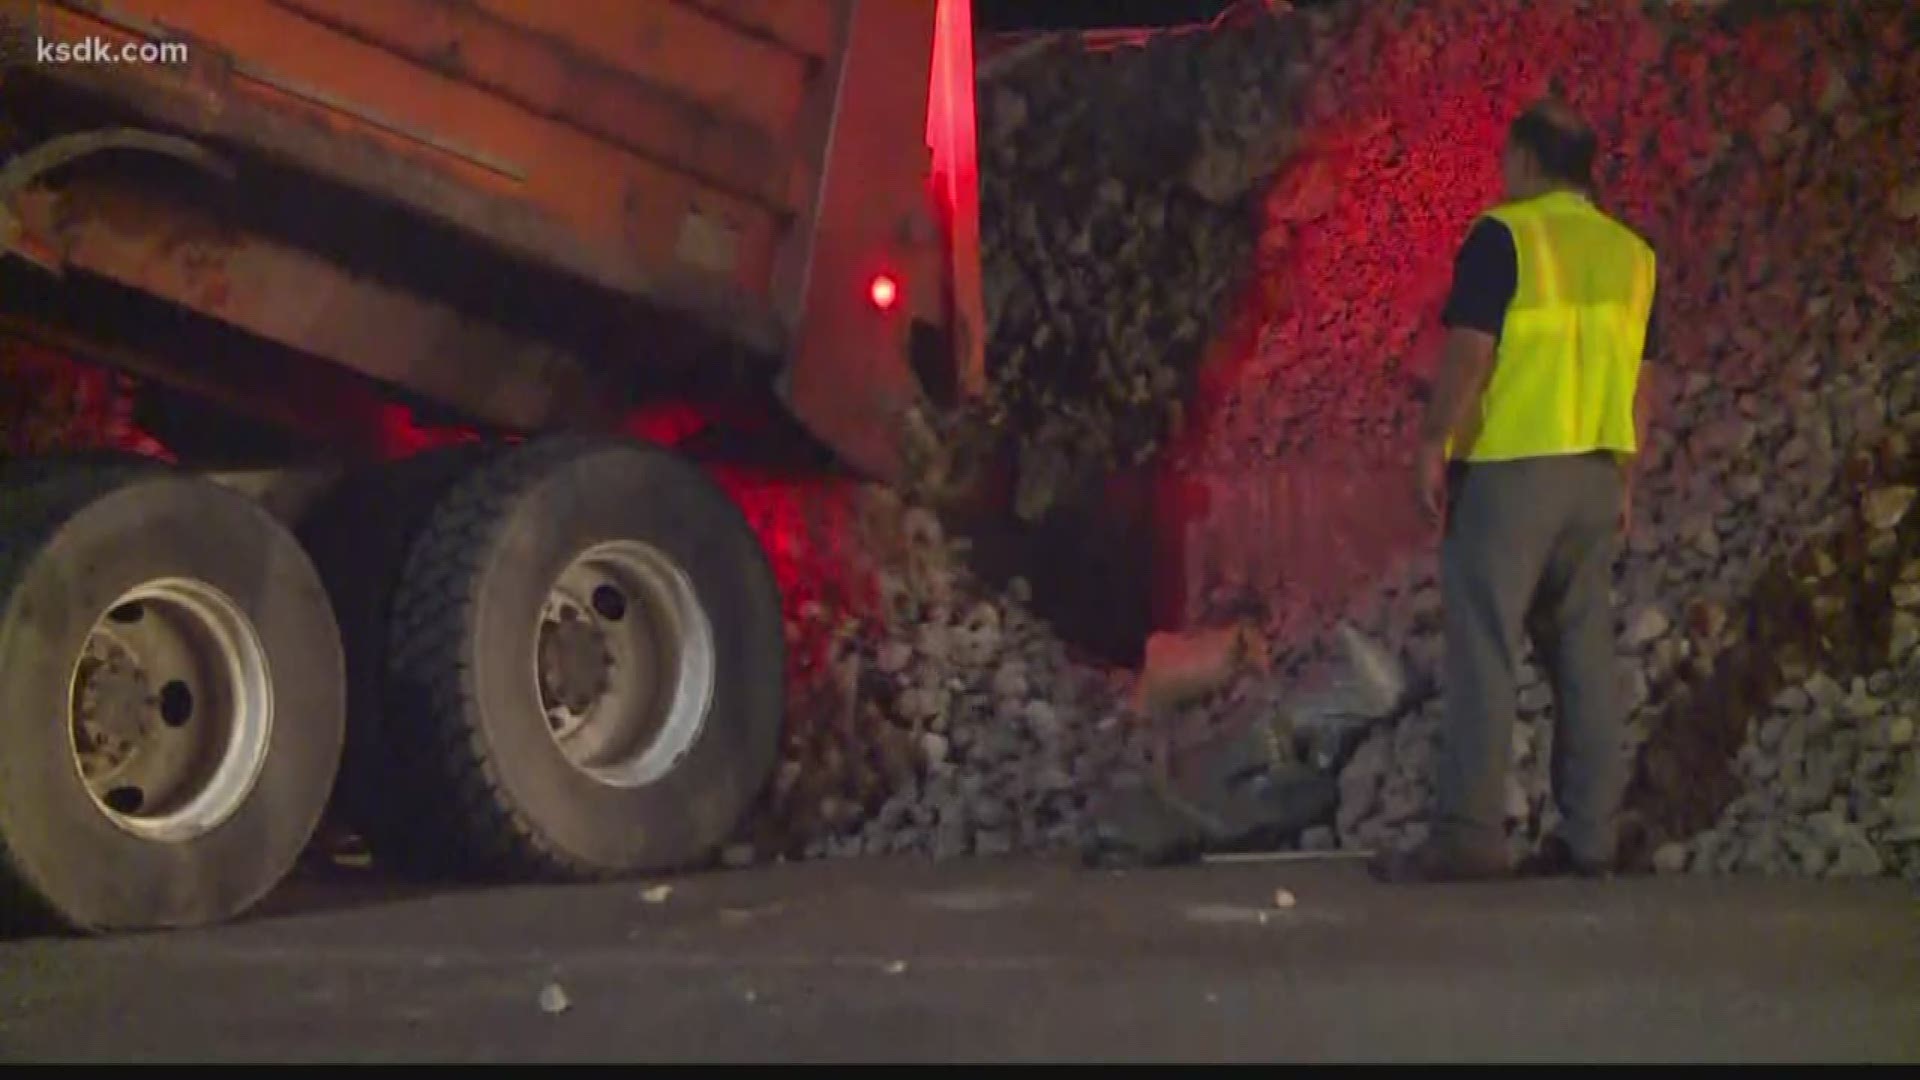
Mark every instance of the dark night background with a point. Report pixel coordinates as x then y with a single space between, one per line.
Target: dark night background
999 15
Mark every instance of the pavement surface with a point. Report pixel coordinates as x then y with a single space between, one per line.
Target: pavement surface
875 961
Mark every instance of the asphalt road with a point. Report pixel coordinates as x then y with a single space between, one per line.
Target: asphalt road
1030 961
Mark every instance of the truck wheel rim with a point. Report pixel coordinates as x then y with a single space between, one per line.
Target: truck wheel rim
624 663
170 711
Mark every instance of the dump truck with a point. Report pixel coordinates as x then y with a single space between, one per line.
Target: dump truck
395 295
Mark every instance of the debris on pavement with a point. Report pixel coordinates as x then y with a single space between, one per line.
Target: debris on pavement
1226 915
1182 667
1229 858
752 914
553 999
1261 785
656 894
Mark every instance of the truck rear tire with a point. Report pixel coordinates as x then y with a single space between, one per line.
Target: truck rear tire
171 709
586 664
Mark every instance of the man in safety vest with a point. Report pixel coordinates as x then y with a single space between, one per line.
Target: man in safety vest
1526 455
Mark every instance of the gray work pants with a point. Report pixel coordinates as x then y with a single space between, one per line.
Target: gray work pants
1529 548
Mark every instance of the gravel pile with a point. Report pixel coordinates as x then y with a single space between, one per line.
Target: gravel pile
1826 777
1789 408
1830 786
934 717
1116 190
1768 156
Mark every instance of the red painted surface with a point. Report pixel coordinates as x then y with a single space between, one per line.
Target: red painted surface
402 435
848 379
665 423
51 404
953 178
817 534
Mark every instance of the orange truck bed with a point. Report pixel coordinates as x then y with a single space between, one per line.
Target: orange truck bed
753 164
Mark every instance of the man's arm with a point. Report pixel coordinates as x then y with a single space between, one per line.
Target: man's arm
1486 274
1630 464
1464 368
1642 413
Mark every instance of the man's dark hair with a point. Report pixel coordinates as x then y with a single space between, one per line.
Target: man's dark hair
1559 140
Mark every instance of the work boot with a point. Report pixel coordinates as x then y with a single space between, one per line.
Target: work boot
1437 861
1556 859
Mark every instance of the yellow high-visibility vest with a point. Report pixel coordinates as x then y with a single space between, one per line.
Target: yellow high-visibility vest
1568 364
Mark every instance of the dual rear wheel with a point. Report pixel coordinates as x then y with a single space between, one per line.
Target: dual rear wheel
557 661
568 661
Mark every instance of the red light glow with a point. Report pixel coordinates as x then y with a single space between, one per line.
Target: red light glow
884 291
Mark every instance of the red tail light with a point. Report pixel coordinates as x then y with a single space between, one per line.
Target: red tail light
884 291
